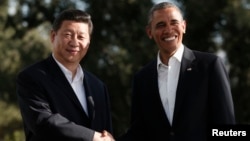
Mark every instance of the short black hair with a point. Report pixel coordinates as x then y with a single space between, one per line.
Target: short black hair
72 15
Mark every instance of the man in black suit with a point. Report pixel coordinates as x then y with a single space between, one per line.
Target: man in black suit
181 94
59 100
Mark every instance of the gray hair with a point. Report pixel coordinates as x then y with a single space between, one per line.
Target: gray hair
160 6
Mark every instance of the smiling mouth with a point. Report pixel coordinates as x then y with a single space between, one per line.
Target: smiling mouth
170 38
72 51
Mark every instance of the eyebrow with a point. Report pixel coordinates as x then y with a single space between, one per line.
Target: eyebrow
172 21
69 30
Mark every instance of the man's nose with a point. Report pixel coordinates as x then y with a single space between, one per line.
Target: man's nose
167 28
74 42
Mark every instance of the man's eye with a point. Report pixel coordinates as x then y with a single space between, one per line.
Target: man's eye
160 25
81 37
175 22
67 35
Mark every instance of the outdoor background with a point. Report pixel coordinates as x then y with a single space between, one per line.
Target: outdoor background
120 47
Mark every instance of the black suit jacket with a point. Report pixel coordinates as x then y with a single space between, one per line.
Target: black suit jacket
51 110
203 101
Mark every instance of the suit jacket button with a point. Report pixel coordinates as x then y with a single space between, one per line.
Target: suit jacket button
171 133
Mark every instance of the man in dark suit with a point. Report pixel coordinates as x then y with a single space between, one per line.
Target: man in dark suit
182 94
59 100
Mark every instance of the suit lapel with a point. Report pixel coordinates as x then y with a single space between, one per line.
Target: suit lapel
155 89
187 65
59 78
89 96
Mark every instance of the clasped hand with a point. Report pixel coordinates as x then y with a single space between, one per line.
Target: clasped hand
104 136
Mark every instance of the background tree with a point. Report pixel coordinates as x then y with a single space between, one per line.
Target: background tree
235 32
119 47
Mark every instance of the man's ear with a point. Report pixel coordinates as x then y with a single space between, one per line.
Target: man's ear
184 24
148 31
52 35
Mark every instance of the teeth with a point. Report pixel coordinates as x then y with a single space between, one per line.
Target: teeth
170 38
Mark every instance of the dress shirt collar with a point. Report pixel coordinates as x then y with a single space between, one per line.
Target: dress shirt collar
178 55
79 73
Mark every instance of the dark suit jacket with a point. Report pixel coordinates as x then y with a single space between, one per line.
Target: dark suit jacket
203 101
51 110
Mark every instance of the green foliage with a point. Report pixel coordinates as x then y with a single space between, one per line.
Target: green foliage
16 52
10 122
236 31
119 47
202 18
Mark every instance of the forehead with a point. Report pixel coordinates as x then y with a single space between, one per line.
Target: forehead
169 13
73 25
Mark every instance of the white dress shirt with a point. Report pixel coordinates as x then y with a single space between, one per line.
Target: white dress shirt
168 77
76 83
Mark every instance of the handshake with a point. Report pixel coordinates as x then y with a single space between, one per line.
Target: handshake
103 136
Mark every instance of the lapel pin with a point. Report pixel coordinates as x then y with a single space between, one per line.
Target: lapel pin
189 69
